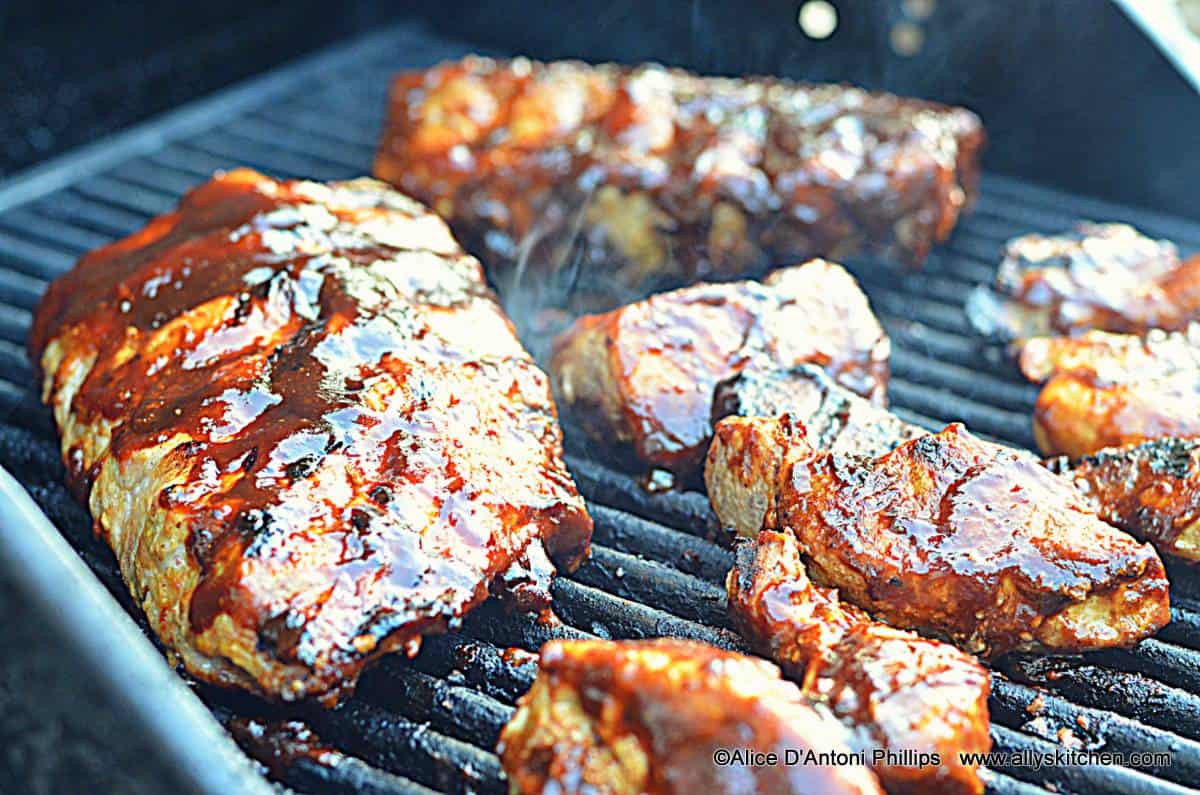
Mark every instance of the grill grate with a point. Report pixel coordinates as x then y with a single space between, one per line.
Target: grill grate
657 568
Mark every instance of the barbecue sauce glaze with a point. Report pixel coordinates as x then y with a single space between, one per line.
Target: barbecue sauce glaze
643 173
367 446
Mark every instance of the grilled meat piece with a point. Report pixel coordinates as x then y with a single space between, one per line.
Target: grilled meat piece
946 534
1150 490
631 717
644 374
1109 390
834 418
654 172
306 428
896 691
1100 276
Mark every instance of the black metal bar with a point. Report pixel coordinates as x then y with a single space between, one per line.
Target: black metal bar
408 748
454 710
1019 707
1070 778
1130 694
683 551
655 584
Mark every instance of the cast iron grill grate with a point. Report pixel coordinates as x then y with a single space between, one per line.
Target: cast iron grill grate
431 724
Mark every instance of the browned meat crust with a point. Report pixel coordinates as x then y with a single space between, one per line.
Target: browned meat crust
1150 490
306 428
1109 390
638 173
946 534
834 418
643 375
897 691
1101 276
634 717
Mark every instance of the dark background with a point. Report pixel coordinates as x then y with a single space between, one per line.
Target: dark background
1071 92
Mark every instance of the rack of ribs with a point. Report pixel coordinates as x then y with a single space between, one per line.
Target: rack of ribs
1108 390
629 717
643 376
946 534
644 174
306 429
896 691
1107 277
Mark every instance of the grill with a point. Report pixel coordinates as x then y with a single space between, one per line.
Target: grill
658 565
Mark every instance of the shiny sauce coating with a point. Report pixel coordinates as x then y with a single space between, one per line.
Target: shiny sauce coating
968 539
635 173
363 444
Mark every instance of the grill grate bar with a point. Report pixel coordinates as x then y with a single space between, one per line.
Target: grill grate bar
1015 199
1087 778
649 582
358 137
693 555
408 748
455 710
71 207
347 775
315 144
1010 706
63 238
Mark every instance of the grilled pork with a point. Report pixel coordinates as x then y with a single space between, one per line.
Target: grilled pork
644 375
642 173
921 700
306 429
653 717
946 534
1150 490
1109 390
833 417
1101 276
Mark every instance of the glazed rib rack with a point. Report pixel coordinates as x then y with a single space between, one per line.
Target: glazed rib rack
657 567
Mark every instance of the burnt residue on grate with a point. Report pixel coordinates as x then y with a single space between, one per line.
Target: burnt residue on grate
658 568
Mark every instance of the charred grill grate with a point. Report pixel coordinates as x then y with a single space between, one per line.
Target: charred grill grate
656 568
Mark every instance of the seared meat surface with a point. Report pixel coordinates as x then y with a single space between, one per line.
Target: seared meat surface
1150 490
896 691
946 534
306 429
1109 390
644 375
1100 276
833 417
641 173
633 717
